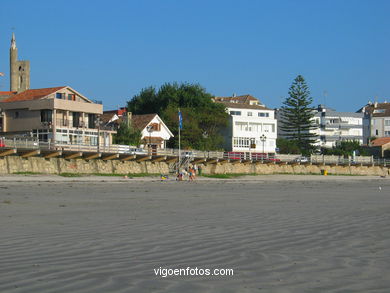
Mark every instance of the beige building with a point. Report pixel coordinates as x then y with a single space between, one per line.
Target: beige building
58 115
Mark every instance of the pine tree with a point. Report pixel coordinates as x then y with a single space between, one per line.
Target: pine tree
297 116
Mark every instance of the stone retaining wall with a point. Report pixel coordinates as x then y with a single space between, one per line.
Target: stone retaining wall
15 164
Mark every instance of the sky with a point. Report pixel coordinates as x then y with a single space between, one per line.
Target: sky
111 50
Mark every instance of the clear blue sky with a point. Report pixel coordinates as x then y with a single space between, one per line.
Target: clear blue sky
110 50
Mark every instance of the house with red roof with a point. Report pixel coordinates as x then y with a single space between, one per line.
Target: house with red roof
59 115
379 146
154 131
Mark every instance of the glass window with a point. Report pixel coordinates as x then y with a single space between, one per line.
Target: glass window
387 122
235 113
76 119
249 113
46 115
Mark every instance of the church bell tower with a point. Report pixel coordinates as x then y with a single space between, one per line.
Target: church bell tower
19 70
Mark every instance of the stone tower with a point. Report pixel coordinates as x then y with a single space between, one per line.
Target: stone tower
19 70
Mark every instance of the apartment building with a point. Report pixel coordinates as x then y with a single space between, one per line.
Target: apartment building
334 127
252 126
376 120
59 115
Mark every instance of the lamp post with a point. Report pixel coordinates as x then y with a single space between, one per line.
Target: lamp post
97 123
263 138
149 129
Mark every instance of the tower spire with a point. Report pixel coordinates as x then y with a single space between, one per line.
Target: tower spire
13 41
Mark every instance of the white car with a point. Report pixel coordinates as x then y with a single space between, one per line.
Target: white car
302 160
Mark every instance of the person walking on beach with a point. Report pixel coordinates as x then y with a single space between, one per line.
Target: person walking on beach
195 169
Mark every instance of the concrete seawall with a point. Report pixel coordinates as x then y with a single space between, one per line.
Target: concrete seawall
15 164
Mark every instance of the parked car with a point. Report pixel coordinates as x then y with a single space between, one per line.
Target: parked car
302 160
137 151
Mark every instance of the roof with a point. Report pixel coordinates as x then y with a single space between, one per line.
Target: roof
238 99
32 94
332 113
141 121
243 106
7 93
370 109
380 141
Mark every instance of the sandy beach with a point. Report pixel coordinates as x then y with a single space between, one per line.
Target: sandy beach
278 233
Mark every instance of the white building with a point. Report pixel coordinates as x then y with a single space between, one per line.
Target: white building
154 132
252 126
334 127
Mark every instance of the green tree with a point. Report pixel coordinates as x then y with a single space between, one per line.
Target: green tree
287 146
297 116
203 119
346 148
127 135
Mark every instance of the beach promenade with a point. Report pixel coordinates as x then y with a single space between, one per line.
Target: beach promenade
278 233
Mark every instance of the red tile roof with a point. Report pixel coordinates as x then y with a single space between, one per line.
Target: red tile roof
7 93
32 94
380 141
242 106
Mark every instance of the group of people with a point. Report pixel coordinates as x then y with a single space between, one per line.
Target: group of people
191 172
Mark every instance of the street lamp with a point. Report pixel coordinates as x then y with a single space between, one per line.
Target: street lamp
97 124
263 138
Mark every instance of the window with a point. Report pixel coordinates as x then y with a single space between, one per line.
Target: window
376 132
263 114
156 126
71 97
59 95
91 120
16 115
249 113
46 116
235 113
76 119
243 142
387 122
387 133
376 111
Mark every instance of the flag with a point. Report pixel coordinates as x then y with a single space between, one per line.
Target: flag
2 74
180 120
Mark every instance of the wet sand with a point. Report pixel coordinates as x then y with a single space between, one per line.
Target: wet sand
278 233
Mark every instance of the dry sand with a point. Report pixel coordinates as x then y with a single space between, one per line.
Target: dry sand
278 233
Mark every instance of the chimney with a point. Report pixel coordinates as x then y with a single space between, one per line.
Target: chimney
234 95
375 104
129 117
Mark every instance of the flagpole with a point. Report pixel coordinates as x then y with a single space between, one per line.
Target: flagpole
178 168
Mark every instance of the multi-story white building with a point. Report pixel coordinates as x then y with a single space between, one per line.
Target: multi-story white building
334 127
376 120
252 126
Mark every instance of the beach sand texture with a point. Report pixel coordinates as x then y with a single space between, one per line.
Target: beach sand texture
278 235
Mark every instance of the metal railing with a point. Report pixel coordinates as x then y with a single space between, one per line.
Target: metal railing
188 155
